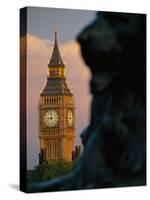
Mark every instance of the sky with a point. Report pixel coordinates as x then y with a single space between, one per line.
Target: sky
41 25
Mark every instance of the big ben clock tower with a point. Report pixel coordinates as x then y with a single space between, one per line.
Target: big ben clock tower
56 113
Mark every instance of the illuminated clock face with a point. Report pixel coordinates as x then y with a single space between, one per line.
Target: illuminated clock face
70 118
51 118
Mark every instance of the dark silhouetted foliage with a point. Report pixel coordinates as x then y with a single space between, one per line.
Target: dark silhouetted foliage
47 171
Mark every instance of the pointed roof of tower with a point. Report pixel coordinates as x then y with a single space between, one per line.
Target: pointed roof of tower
57 86
56 59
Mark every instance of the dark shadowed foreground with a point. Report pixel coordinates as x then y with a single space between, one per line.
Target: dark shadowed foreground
114 155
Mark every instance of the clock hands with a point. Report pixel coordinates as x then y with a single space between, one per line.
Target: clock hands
51 118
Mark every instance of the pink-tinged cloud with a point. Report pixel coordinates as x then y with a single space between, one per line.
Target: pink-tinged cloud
38 54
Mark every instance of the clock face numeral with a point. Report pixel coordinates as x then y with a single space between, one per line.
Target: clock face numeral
70 118
51 118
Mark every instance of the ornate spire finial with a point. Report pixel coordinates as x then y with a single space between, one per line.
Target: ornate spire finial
55 35
55 31
56 59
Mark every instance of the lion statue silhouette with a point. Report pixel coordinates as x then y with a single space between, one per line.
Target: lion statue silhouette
114 48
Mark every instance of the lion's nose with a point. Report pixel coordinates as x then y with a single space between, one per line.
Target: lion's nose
82 37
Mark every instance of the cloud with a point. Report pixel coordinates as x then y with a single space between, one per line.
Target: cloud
36 45
38 54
